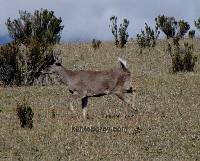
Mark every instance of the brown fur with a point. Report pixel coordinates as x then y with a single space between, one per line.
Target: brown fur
84 84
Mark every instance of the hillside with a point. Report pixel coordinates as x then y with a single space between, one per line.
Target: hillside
166 126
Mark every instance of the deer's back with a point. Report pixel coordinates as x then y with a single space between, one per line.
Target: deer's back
94 82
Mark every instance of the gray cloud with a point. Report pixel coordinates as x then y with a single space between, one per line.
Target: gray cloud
90 19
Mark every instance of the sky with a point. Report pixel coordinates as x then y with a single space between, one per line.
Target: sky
88 19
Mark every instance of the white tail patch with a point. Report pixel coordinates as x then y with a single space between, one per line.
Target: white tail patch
123 62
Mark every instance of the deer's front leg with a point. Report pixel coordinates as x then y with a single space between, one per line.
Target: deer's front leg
75 95
84 100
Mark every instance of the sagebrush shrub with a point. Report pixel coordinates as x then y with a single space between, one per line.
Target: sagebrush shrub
8 63
170 27
25 115
34 35
96 44
114 29
197 23
166 25
42 25
147 37
183 28
183 58
176 41
121 35
191 34
20 64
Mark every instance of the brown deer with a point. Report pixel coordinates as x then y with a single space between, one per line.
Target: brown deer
85 84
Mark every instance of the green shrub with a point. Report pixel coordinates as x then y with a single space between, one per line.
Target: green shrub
96 44
183 28
170 27
191 34
22 60
166 25
8 63
25 115
147 37
176 41
121 34
53 113
114 29
20 64
197 23
42 26
183 58
1 109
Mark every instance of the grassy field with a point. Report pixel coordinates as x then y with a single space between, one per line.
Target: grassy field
166 126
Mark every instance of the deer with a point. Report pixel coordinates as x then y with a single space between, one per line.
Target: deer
84 84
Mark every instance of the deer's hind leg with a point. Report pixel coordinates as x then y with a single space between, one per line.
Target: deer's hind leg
127 100
84 102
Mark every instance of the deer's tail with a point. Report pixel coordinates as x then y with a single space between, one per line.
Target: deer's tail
123 63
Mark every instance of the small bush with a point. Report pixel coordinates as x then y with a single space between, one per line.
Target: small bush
183 28
183 58
96 44
172 28
176 41
121 34
114 29
20 64
197 23
1 109
147 37
42 26
53 113
8 64
191 34
167 25
22 60
25 115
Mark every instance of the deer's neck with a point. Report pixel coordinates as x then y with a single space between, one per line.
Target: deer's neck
64 74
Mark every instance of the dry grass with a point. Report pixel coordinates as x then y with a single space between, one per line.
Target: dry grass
166 127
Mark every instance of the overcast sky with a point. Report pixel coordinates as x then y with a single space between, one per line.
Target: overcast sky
87 19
